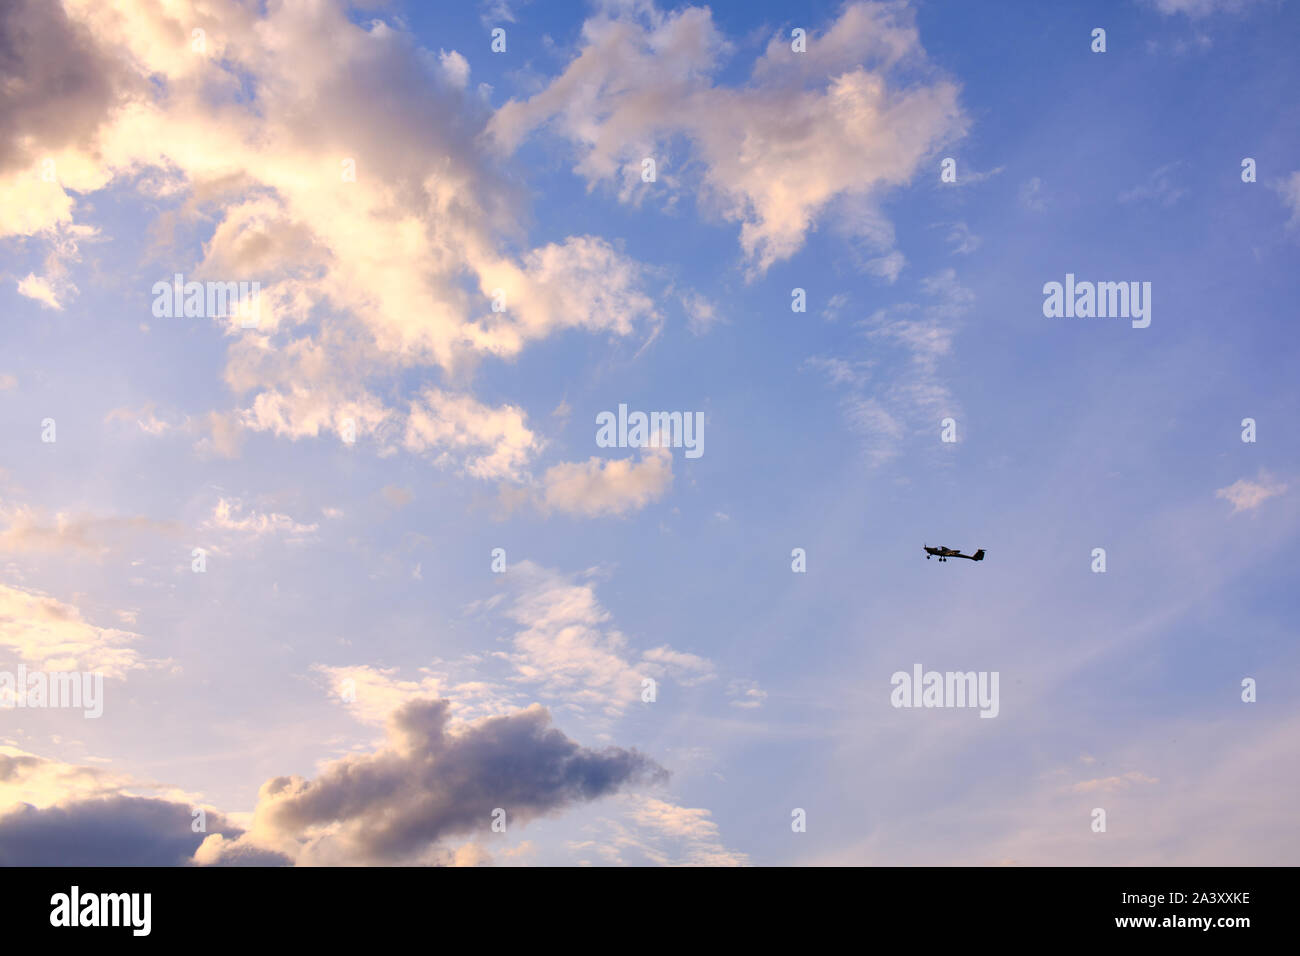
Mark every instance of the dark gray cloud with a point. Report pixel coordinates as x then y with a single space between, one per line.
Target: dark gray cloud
428 783
56 85
108 831
394 805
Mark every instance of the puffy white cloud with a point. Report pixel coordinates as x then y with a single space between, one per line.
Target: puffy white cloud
810 129
455 67
602 486
38 288
51 635
378 237
301 411
27 778
488 443
583 282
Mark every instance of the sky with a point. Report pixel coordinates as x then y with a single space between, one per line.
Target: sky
359 582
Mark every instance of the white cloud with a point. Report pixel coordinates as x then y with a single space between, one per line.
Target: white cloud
52 635
146 420
1195 9
607 486
363 279
27 778
488 443
688 669
38 288
456 68
701 314
1246 495
495 13
806 131
228 515
746 694
371 694
659 832
1111 784
567 648
55 288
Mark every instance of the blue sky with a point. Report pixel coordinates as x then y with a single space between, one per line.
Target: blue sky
363 569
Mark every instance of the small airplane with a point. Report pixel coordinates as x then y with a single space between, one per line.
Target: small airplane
943 554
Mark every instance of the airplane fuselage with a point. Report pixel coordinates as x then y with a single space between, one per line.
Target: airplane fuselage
943 554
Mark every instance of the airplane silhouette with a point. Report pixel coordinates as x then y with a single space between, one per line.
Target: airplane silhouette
943 554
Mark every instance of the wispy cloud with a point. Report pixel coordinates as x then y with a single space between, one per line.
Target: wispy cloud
230 515
885 408
1159 187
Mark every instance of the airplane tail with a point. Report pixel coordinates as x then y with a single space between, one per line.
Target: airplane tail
978 555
